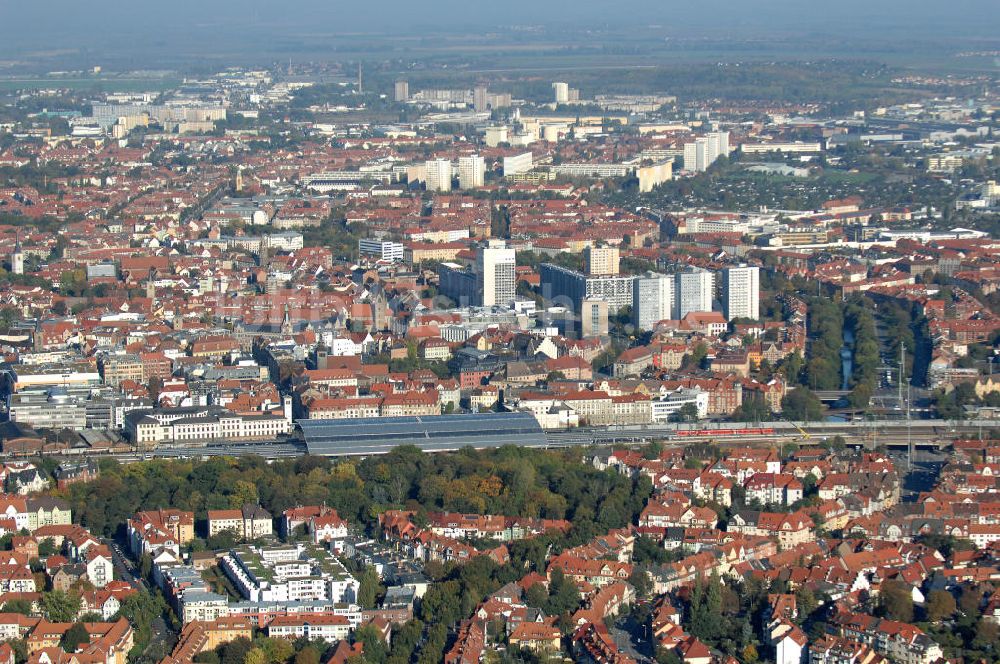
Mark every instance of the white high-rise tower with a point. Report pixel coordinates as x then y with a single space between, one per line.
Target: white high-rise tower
495 274
741 292
692 292
471 172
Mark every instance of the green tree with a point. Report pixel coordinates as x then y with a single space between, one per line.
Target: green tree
74 637
374 645
145 565
20 649
433 650
802 404
244 493
805 600
536 596
46 548
404 642
277 650
564 596
141 609
368 590
640 581
21 606
753 409
60 606
222 540
667 656
235 652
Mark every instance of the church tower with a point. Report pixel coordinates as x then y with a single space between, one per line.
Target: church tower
17 258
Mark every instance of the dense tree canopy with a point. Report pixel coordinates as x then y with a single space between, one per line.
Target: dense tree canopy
509 480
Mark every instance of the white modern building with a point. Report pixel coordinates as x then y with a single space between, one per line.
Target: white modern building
521 163
471 172
663 407
495 274
560 91
692 292
289 574
495 135
438 175
741 292
652 299
380 249
701 154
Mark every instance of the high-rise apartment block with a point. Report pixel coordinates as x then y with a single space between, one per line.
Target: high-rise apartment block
601 260
693 291
741 292
652 299
480 99
569 288
701 154
438 175
401 91
561 92
495 274
471 172
593 318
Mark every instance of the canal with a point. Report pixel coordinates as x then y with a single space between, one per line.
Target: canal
847 359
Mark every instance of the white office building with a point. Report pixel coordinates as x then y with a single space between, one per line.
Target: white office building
521 163
495 272
741 292
662 408
701 154
401 91
692 292
380 249
652 299
561 92
471 172
496 135
438 173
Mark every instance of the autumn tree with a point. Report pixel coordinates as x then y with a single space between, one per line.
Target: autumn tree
940 605
896 600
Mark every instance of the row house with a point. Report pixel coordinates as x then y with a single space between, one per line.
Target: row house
776 489
247 523
666 515
168 529
898 641
789 529
294 517
597 573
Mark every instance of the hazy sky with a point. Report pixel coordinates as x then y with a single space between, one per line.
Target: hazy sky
42 25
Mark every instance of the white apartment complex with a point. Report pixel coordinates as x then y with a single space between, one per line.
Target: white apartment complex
692 292
495 274
471 172
741 292
437 174
652 299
